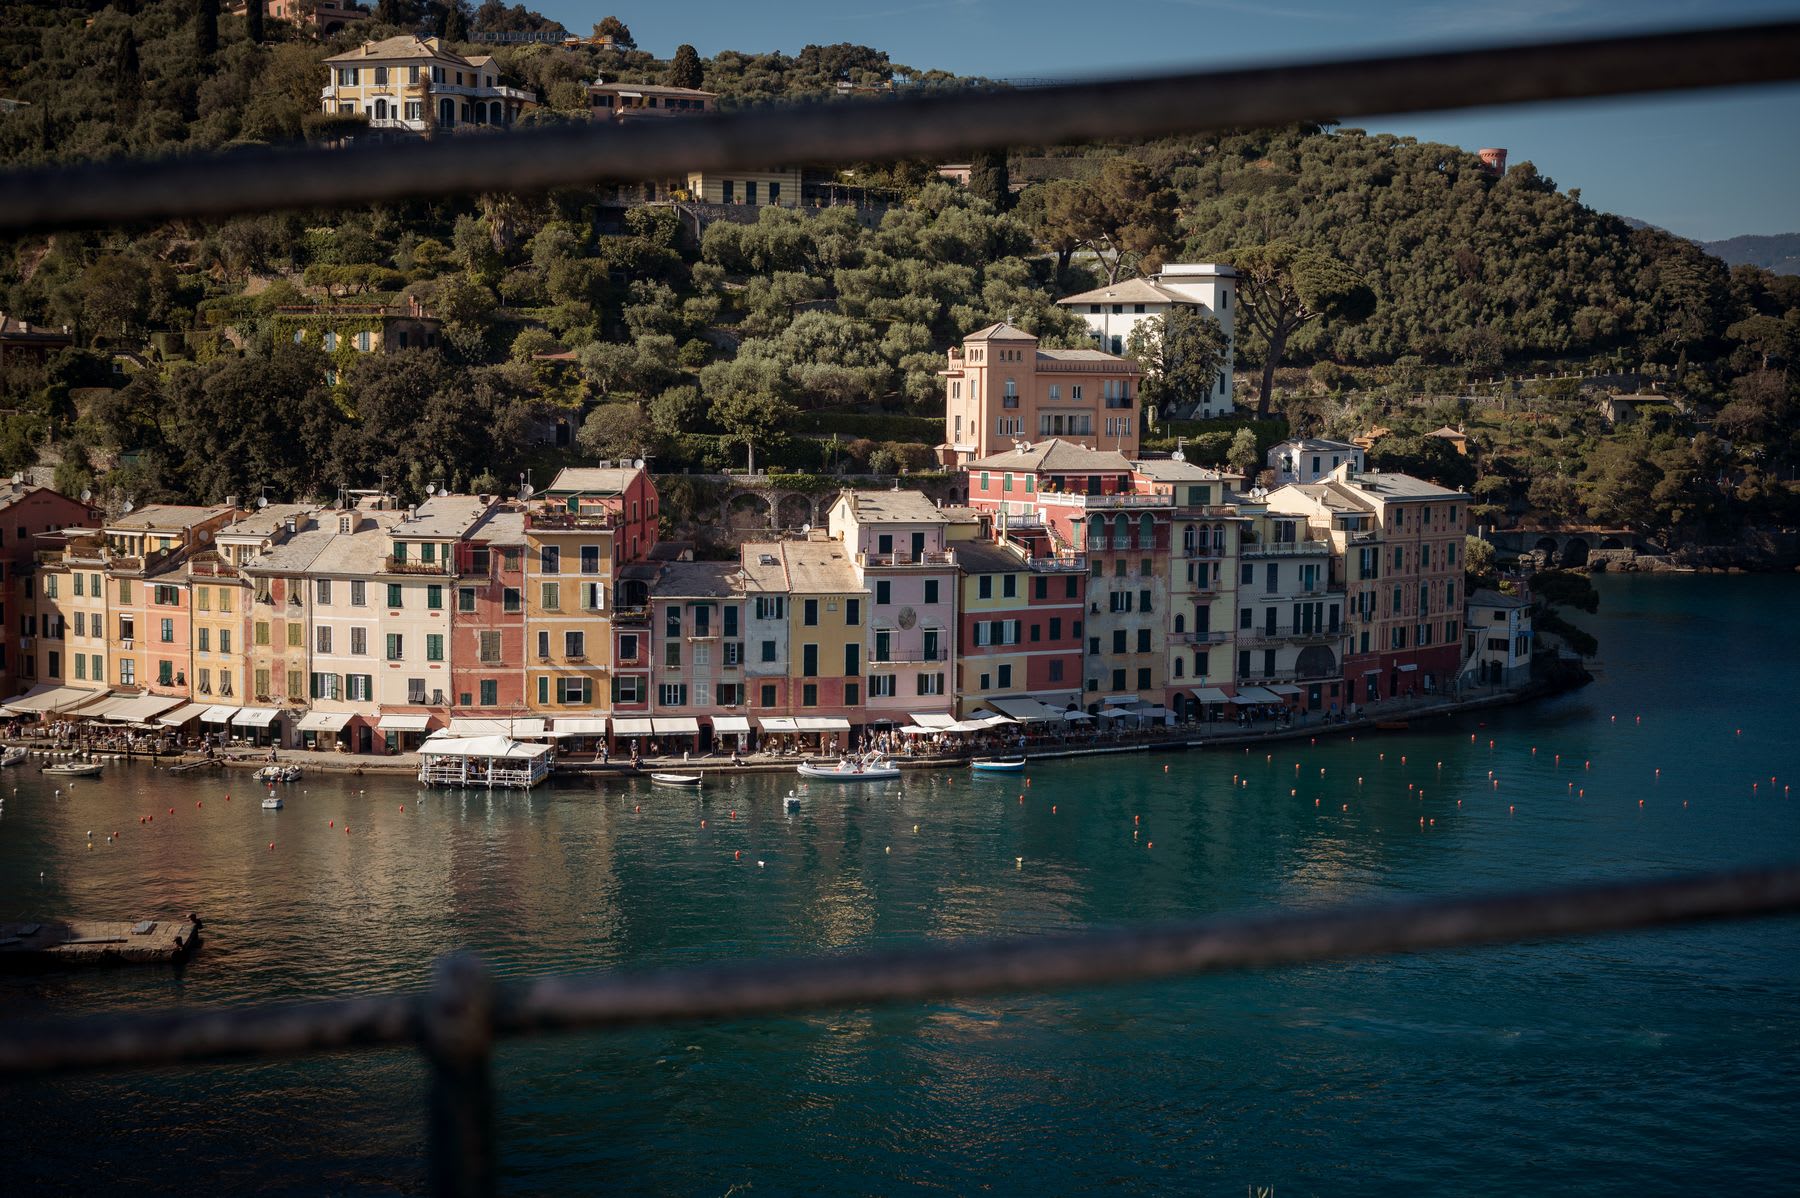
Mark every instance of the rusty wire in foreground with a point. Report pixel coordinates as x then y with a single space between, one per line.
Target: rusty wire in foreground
930 126
467 1007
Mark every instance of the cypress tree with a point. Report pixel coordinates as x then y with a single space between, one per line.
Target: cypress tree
206 28
988 178
253 20
128 80
388 12
455 27
684 69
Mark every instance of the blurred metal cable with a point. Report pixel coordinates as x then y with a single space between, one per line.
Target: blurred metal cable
743 989
209 185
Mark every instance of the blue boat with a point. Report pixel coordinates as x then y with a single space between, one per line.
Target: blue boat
998 765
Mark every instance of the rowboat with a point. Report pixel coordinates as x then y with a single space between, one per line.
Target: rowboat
879 770
74 769
998 765
13 756
676 779
272 802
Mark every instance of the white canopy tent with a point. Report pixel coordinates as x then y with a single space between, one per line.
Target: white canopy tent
482 761
324 721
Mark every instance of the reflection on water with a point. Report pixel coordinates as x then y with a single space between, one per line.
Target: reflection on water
1650 1062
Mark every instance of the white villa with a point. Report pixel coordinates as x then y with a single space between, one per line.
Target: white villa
414 85
1113 312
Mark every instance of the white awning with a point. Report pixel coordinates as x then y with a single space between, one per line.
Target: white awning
1256 694
48 697
1408 668
821 723
102 708
1025 710
967 726
676 725
181 715
1153 713
145 708
730 723
581 725
633 726
256 717
1284 689
219 713
1211 694
405 721
1376 670
323 721
919 730
1113 713
776 723
993 720
1122 700
932 719
1076 717
481 746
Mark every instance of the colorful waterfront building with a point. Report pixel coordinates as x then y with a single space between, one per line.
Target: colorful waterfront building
1019 648
580 534
71 647
412 588
487 625
899 549
764 579
1001 390
149 641
697 657
26 513
1401 543
1290 635
1200 578
821 596
223 596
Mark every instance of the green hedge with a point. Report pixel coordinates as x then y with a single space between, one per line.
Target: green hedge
876 426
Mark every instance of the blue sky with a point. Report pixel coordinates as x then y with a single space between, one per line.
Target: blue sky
1706 165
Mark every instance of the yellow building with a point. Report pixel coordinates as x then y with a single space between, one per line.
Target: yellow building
414 85
827 611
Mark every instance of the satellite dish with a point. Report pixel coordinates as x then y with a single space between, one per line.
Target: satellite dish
639 463
1179 456
527 491
18 476
806 528
129 504
431 488
262 501
87 493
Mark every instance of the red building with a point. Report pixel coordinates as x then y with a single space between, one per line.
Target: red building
25 512
1019 629
487 625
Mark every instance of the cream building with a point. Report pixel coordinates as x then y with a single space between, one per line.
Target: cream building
1112 312
415 85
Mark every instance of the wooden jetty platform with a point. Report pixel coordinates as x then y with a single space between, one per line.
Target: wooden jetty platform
73 943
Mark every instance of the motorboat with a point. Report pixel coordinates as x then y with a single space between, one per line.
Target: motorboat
846 769
14 756
278 773
272 802
75 769
677 779
791 802
998 765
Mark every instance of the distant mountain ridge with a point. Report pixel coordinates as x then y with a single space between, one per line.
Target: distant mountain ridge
1777 252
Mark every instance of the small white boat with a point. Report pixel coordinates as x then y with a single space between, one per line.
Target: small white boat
74 769
677 779
273 802
998 765
846 770
791 802
278 773
13 756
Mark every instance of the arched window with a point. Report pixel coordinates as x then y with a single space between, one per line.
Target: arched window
1180 626
1189 538
447 113
1121 532
1178 667
381 110
1146 532
1096 534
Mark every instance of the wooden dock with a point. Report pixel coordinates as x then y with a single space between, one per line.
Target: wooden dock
74 943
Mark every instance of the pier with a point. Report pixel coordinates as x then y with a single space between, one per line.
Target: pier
76 943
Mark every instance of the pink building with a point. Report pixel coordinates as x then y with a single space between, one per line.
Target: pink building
899 548
697 662
1001 389
487 625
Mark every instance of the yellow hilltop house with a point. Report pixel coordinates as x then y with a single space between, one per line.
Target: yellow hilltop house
415 85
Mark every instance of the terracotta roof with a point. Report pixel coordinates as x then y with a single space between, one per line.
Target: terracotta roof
592 480
1129 291
985 557
1000 332
403 46
1054 455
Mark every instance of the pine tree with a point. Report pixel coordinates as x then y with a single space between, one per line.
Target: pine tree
455 27
388 12
206 28
684 68
253 20
988 179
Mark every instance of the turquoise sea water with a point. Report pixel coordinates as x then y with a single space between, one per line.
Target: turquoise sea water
1656 1063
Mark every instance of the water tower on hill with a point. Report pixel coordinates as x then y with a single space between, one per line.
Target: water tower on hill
1493 160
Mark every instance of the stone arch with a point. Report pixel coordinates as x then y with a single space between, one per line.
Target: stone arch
1575 551
793 510
747 511
447 113
1547 547
1316 661
1611 543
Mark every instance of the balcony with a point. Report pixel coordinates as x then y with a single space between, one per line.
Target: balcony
1199 638
631 615
929 558
571 521
407 565
1076 564
1121 500
213 569
913 657
1288 636
1284 548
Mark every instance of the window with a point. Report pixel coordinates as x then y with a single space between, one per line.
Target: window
811 610
590 559
881 686
573 690
931 590
434 597
359 594
396 646
489 647
1119 641
224 640
323 589
673 694
166 632
395 595
852 660
465 599
574 644
809 661
434 646
490 692
511 601
261 631
358 688
931 684
359 641
202 639
672 654
1006 677
550 560
731 619
552 596
852 612
322 638
593 596
768 651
